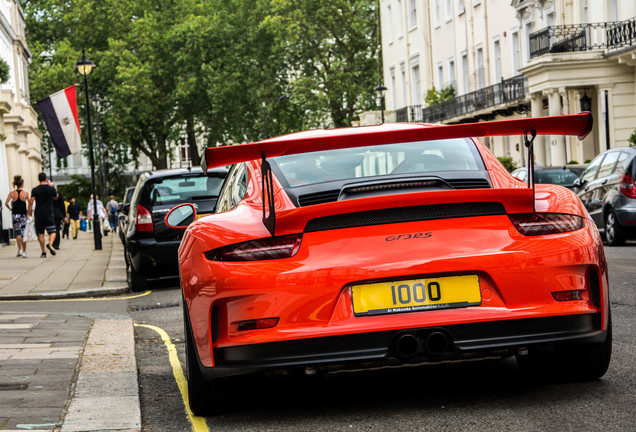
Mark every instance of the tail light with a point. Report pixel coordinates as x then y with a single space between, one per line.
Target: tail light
546 223
256 250
143 221
628 188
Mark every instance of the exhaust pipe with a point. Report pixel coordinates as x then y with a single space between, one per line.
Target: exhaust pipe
407 345
436 343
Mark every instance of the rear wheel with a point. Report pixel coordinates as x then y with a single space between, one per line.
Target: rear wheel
204 397
614 232
137 281
579 362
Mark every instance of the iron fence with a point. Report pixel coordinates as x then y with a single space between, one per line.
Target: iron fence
583 37
507 91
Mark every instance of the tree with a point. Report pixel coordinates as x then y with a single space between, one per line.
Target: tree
331 49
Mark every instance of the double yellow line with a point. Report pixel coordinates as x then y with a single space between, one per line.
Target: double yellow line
198 423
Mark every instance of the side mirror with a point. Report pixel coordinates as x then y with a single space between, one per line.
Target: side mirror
181 216
577 183
125 209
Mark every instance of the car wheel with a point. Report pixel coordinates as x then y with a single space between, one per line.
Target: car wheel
137 281
614 233
580 363
204 397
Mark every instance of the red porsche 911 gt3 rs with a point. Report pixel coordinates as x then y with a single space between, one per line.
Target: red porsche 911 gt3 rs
385 245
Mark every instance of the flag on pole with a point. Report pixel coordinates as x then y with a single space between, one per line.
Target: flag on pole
60 115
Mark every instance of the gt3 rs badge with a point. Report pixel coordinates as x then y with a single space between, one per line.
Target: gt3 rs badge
411 236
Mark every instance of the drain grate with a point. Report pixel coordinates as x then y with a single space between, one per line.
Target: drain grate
11 386
136 308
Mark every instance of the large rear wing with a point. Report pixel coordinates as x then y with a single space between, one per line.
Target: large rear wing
579 125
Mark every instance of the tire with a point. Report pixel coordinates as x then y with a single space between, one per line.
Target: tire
137 281
587 362
205 398
614 232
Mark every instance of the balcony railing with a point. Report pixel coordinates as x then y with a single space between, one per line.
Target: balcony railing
507 91
583 37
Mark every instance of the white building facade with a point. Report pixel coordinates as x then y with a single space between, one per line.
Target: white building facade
19 134
510 59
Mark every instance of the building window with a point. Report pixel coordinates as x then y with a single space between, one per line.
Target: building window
516 55
416 92
437 13
403 76
440 76
184 150
586 16
461 7
481 80
465 74
389 25
449 10
412 15
451 73
497 59
400 22
393 88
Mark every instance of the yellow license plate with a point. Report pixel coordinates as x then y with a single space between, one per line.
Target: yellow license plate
416 295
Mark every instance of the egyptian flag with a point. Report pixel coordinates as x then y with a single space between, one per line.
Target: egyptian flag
60 115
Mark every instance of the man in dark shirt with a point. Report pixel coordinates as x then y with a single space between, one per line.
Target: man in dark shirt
43 196
73 211
59 213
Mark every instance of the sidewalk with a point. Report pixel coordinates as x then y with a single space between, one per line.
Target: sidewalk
78 270
64 371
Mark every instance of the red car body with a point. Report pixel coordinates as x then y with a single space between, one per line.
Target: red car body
393 276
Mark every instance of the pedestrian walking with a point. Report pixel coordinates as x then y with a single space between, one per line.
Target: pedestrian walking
59 213
43 195
111 209
101 212
73 214
18 199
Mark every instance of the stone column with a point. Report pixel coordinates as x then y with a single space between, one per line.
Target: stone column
536 110
557 143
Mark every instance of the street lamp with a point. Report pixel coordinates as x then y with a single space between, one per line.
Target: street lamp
380 90
280 98
97 101
85 66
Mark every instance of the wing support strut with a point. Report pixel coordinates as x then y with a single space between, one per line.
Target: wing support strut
269 209
529 143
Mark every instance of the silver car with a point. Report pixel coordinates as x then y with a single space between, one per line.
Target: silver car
608 191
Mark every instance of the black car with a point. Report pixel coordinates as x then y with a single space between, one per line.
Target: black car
559 175
150 246
608 191
122 219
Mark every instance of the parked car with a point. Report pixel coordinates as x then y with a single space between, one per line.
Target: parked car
383 246
150 247
562 176
608 192
122 219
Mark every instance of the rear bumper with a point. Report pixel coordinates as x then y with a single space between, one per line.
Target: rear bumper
154 259
465 341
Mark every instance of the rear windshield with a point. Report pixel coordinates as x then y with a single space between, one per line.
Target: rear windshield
175 190
393 159
558 177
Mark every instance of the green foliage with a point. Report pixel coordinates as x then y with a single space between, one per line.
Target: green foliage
632 139
205 67
508 163
573 162
79 188
4 71
433 96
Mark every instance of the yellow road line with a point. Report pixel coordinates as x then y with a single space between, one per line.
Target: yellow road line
79 299
198 423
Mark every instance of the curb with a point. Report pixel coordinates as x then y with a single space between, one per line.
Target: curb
96 292
106 393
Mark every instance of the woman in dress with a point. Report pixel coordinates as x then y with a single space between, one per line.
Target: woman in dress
18 199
